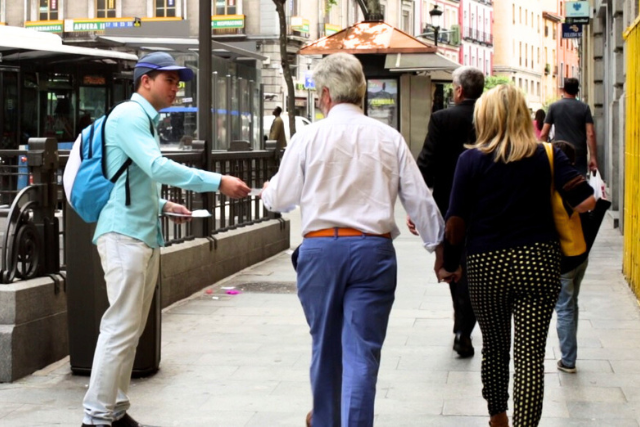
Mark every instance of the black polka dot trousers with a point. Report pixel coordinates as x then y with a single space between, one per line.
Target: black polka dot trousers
520 283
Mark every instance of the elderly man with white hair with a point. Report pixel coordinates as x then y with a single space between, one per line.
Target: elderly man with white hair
346 172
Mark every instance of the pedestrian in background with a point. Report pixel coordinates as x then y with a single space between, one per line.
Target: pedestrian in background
128 233
346 172
573 122
500 210
449 131
538 122
276 132
572 271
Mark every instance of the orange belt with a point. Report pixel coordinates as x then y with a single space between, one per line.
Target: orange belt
343 232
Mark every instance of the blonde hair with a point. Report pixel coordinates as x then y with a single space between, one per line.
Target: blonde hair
503 125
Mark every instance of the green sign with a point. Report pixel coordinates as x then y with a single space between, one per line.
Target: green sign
330 29
88 25
46 28
227 21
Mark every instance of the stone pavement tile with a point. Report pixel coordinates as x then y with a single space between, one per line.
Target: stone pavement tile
616 338
261 373
475 406
613 324
389 378
417 363
158 416
566 422
607 354
601 410
8 407
585 394
37 415
397 402
383 420
583 366
588 379
263 419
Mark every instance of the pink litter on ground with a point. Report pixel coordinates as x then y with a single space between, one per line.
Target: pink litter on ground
208 291
233 292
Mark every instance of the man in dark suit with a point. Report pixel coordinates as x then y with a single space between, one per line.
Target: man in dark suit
449 130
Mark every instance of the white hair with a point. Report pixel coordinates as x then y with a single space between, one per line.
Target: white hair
342 74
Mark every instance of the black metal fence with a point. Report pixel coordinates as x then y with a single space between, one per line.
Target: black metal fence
17 181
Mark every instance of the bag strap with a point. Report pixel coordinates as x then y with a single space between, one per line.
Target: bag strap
128 162
549 149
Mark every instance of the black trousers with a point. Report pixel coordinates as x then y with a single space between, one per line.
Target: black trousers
521 285
463 315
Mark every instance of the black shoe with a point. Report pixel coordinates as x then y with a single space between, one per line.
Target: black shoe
462 346
126 421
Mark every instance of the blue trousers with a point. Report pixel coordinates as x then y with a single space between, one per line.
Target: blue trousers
346 286
567 310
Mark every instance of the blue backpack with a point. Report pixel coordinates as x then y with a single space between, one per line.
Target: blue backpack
86 184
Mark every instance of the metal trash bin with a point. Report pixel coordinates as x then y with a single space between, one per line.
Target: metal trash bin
87 301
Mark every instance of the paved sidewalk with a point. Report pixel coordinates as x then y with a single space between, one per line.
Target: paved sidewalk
242 360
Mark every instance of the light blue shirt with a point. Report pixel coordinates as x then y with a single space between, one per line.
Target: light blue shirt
127 135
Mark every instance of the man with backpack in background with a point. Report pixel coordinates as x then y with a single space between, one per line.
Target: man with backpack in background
128 233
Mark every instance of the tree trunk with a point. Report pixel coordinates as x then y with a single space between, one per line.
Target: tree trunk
371 10
286 70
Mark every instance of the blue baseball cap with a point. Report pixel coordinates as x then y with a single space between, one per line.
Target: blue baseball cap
160 61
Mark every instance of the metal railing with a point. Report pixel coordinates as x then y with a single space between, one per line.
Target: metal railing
476 35
631 258
23 253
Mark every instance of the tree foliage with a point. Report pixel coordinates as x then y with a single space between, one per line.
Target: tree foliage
492 81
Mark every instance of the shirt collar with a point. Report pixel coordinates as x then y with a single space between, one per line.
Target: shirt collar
146 106
344 108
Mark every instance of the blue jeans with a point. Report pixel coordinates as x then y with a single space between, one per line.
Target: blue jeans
346 286
567 310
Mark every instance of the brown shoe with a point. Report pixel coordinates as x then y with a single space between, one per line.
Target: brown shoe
499 420
309 415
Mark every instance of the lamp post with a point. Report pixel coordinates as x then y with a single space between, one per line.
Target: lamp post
435 14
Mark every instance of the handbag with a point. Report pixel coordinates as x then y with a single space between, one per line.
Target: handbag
568 225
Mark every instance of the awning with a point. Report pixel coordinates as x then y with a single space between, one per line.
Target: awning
436 65
22 43
188 45
367 38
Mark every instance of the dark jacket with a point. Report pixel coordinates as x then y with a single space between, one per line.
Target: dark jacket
449 130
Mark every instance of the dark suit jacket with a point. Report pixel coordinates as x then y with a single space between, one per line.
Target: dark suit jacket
449 130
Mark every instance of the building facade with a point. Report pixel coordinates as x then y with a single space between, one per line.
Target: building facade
517 44
449 32
476 23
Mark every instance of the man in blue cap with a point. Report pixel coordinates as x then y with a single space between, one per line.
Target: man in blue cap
128 234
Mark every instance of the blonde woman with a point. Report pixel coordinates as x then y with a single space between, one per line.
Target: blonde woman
501 210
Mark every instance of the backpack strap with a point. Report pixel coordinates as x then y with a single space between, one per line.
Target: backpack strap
128 162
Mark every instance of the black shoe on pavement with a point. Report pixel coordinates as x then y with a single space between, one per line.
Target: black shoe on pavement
462 345
126 421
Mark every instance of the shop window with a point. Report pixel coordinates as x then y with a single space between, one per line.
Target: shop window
105 8
225 7
165 8
48 10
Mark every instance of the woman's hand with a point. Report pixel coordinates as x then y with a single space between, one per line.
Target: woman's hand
447 276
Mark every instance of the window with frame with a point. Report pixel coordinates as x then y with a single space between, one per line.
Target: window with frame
105 8
48 10
165 8
225 7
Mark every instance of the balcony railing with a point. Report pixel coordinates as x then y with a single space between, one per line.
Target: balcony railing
473 34
450 36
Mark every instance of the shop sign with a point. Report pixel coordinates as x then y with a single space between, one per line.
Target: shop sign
300 24
577 9
571 31
45 26
227 21
330 29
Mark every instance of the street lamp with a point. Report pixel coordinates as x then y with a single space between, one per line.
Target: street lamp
435 14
